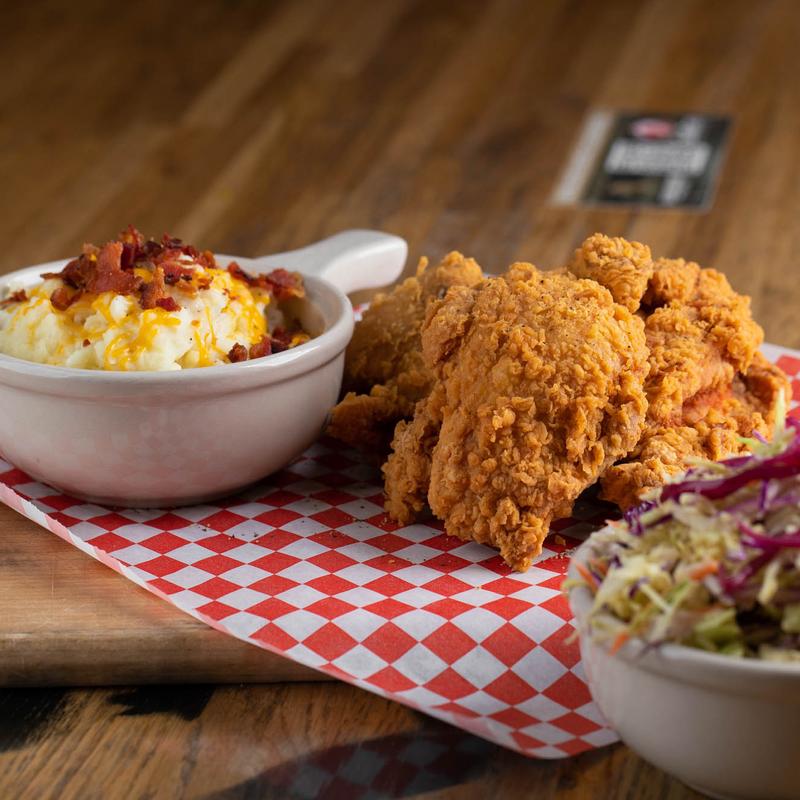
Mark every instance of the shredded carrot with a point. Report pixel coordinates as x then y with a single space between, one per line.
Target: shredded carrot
706 568
585 574
619 640
599 566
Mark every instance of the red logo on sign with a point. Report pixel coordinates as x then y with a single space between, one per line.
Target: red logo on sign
652 128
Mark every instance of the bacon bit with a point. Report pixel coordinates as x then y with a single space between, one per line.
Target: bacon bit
149 250
190 250
281 283
16 297
98 271
206 258
281 340
277 343
154 294
132 242
172 243
132 236
168 304
128 258
62 298
168 254
76 273
239 274
174 271
86 342
261 348
109 275
284 284
170 248
237 353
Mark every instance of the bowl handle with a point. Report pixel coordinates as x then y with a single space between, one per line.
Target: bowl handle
351 260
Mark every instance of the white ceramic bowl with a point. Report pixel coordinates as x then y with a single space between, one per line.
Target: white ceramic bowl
728 727
174 438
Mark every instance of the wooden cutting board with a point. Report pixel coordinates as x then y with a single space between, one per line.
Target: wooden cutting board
67 620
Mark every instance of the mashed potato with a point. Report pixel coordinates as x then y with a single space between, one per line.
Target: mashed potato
214 311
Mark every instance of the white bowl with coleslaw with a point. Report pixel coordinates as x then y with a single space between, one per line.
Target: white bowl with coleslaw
726 724
728 727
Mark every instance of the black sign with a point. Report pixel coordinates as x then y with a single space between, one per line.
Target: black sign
637 159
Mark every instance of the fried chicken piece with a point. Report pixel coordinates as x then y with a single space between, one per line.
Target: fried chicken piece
385 374
700 333
540 389
707 384
710 429
623 267
367 421
407 471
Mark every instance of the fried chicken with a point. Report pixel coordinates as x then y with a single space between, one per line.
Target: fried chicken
539 390
707 383
623 267
516 393
665 449
384 370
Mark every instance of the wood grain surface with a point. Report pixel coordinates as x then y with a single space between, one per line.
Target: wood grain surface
70 621
252 127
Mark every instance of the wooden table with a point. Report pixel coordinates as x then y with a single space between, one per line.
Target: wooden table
252 127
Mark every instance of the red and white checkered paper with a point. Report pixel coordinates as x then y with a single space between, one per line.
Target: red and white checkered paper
307 565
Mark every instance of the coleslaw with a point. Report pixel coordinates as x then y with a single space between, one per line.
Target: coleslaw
710 560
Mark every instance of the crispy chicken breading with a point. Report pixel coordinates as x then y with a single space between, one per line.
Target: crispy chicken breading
539 389
700 334
385 374
623 267
516 393
709 429
707 384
